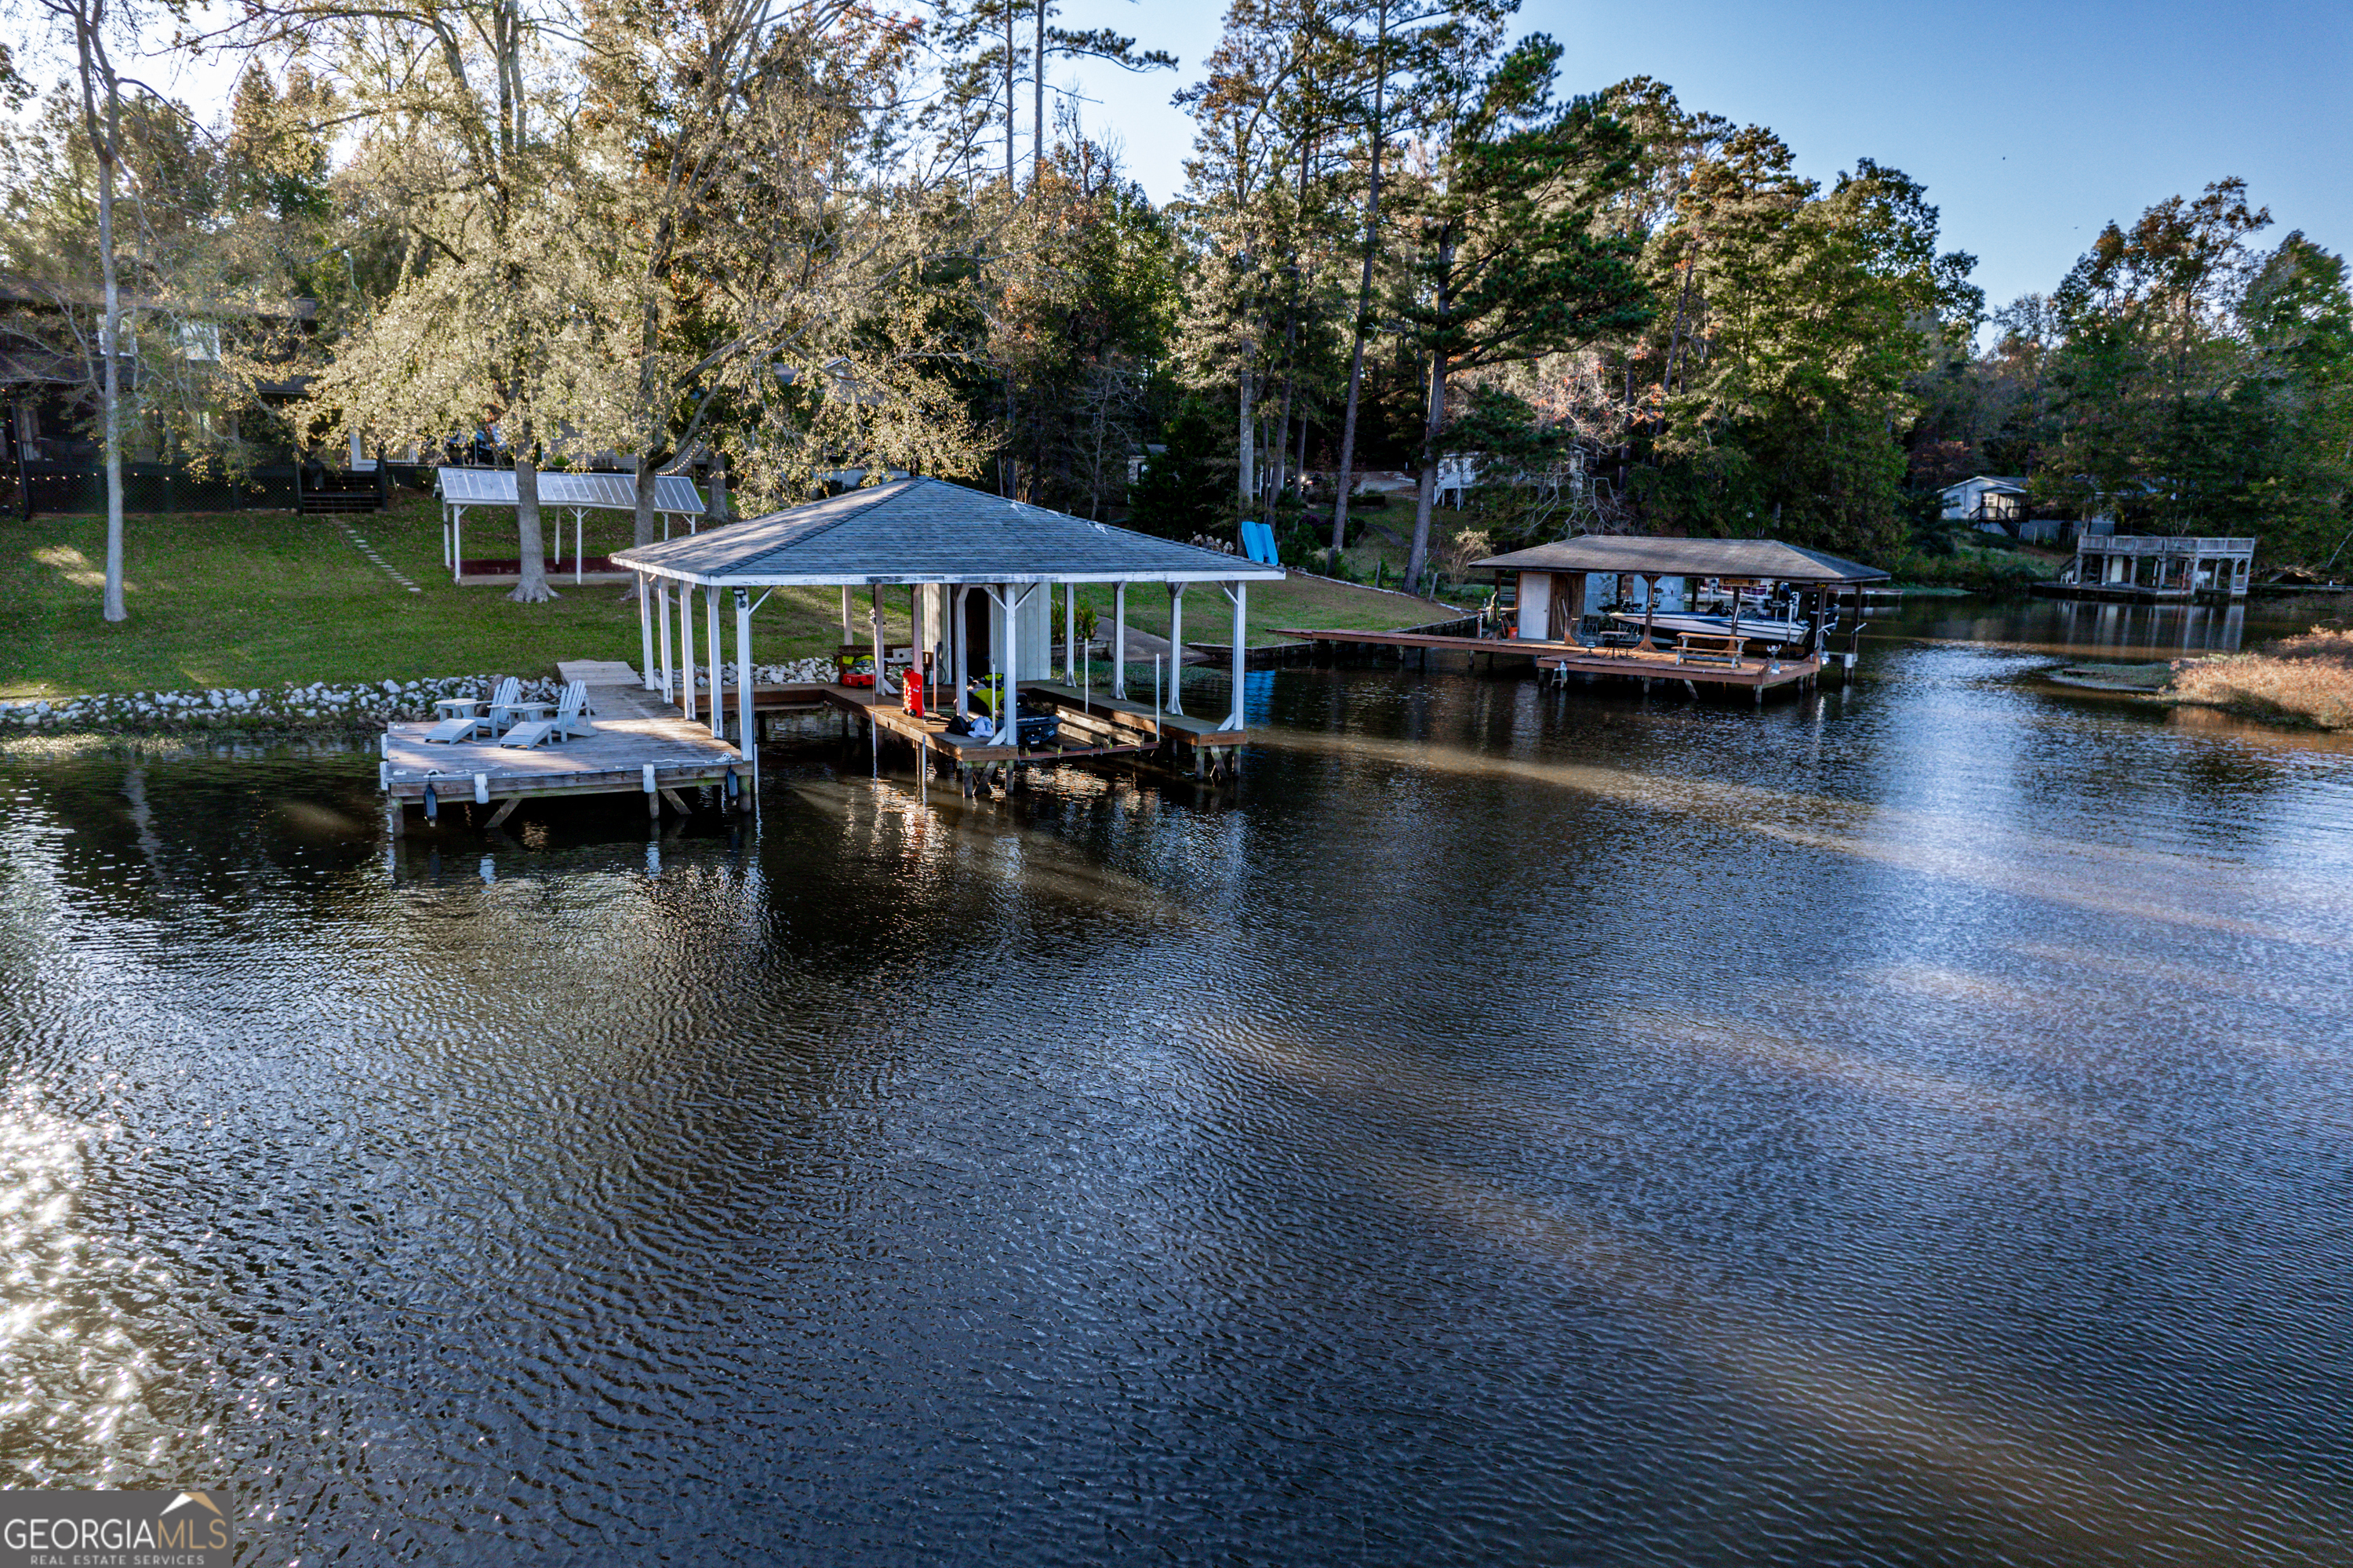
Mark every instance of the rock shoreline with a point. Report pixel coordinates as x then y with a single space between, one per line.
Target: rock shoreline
295 709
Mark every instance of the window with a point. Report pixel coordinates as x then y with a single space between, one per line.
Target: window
199 340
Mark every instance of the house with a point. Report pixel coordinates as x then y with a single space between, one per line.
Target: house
1460 472
1995 503
53 356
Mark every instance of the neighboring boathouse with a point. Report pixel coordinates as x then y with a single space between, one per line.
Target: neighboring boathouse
2157 567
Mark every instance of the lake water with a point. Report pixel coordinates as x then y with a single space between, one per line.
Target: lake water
1912 1124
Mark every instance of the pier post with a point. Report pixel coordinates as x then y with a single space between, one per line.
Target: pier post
645 630
958 652
718 693
1242 658
1119 642
661 614
874 630
685 648
746 720
1177 648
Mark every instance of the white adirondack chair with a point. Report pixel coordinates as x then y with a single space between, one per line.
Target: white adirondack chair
507 709
571 718
467 725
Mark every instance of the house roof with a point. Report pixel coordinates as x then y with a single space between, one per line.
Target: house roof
1762 560
1990 481
673 492
929 531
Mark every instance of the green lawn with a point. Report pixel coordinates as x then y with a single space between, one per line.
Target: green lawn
262 598
1311 602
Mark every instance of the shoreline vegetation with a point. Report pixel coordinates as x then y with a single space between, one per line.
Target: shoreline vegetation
2304 682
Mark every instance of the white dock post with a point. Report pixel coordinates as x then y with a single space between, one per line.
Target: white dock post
1241 633
1008 691
482 788
661 614
1119 642
653 799
718 695
750 743
686 649
874 633
1176 648
645 631
958 653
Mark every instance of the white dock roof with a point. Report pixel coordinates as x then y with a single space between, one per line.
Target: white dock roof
673 492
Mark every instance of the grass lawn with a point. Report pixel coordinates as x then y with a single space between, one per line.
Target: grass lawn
1311 602
263 599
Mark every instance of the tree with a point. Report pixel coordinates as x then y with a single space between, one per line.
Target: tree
2153 352
1084 310
2296 398
1772 388
752 205
458 162
1509 258
99 96
1177 495
2199 385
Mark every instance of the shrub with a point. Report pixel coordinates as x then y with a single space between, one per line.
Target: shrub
2299 680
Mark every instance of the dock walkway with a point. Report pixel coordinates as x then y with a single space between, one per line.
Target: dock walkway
640 744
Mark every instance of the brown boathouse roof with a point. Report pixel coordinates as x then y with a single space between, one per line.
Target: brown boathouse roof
1762 560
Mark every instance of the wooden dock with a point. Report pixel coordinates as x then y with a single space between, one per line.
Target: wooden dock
1105 726
1756 674
641 744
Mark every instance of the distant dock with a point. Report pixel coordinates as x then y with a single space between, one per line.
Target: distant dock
1754 674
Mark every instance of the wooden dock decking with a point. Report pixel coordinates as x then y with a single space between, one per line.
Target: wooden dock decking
1111 727
1757 675
640 744
636 737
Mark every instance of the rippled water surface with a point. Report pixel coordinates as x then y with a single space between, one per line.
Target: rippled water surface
1909 1126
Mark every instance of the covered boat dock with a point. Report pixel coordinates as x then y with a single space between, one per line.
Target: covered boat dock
1560 627
980 574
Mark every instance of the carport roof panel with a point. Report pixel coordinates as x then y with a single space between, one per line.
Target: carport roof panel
927 530
1762 560
673 492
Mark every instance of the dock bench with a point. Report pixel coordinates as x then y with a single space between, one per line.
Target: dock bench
1716 651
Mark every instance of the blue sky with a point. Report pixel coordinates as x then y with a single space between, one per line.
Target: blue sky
2031 125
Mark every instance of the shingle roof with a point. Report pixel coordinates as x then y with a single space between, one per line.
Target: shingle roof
1766 560
929 531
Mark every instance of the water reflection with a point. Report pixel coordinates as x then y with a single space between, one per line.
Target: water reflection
2112 633
1903 1126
